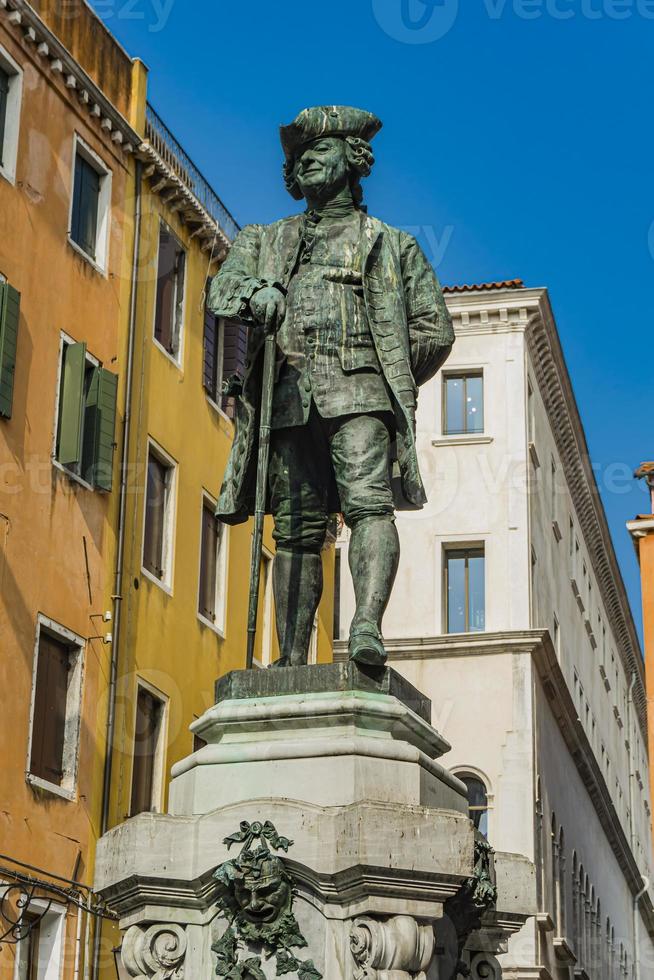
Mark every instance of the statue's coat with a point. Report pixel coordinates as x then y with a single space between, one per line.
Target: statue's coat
409 321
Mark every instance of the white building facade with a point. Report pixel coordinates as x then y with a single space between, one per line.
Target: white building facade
509 612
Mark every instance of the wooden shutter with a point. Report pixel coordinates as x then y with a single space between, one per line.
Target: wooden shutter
50 698
71 404
148 713
208 557
210 363
86 200
99 429
166 279
4 92
235 341
9 317
155 514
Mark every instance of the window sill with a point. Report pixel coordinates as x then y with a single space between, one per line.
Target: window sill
9 175
564 951
545 922
474 439
73 477
87 258
556 530
219 411
157 581
220 631
167 354
52 788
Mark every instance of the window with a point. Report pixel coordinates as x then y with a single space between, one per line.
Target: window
149 743
159 516
11 85
90 204
225 346
477 801
531 417
465 597
169 309
213 560
556 636
337 592
9 319
266 609
86 416
40 955
463 403
55 715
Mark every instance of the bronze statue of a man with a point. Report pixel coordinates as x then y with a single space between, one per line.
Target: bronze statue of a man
360 323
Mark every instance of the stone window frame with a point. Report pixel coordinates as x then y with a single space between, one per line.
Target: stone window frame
166 582
177 357
161 748
219 625
473 772
11 138
68 787
100 262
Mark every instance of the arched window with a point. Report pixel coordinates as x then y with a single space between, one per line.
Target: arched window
563 902
555 891
477 801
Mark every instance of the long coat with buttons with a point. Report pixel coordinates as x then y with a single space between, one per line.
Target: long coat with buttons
410 325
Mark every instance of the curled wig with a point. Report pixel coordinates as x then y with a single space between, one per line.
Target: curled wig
359 157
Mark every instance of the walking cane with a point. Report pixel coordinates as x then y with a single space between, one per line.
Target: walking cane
262 488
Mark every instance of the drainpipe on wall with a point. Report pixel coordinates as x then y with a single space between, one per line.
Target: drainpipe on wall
117 597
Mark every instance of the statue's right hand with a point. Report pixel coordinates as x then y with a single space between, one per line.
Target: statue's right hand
268 307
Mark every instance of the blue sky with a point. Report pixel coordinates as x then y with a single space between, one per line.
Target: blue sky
517 135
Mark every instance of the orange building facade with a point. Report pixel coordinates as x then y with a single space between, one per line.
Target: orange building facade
66 182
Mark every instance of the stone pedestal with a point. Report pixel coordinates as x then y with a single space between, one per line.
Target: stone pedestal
321 817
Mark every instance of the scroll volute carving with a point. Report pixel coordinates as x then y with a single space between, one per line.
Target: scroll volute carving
398 949
155 953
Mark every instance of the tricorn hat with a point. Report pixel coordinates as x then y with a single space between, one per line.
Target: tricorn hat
328 120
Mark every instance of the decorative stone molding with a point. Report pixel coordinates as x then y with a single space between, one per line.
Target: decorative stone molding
155 953
483 966
399 949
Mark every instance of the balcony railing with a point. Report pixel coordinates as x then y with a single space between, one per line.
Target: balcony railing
170 151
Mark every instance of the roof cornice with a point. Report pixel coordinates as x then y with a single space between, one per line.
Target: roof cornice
57 58
556 389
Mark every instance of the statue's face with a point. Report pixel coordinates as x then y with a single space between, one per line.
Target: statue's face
322 168
263 902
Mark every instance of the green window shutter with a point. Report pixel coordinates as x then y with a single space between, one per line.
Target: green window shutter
99 428
9 317
71 404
